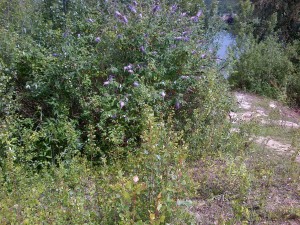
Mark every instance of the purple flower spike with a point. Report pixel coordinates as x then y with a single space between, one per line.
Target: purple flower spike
199 13
163 94
173 8
121 17
90 20
135 3
127 68
122 104
124 19
111 77
136 84
156 8
118 14
142 48
203 56
184 77
55 54
195 19
178 38
132 9
97 39
177 105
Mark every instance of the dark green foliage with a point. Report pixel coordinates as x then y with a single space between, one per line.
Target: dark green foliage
286 13
263 68
265 64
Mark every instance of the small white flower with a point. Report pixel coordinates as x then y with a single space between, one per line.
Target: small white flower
106 83
122 104
135 179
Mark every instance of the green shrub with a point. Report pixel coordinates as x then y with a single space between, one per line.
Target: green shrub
149 187
293 87
263 68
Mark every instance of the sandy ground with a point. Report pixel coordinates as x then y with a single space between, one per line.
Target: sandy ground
261 110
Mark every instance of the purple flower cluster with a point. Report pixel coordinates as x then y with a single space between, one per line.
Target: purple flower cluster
180 38
195 19
156 8
97 39
183 14
121 17
173 8
142 49
132 9
184 77
199 13
177 105
109 81
128 68
90 20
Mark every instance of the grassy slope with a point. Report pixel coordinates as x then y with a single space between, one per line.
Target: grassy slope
257 186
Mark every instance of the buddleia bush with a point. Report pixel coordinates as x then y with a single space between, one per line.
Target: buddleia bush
88 70
102 105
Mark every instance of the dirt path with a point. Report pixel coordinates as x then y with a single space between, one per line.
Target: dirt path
269 113
260 185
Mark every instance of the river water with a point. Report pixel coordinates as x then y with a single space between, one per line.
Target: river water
224 40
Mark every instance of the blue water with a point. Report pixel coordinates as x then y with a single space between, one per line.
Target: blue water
224 40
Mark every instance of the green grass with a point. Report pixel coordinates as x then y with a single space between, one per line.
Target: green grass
258 186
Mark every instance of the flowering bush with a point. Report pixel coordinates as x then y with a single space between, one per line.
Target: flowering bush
98 71
87 92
